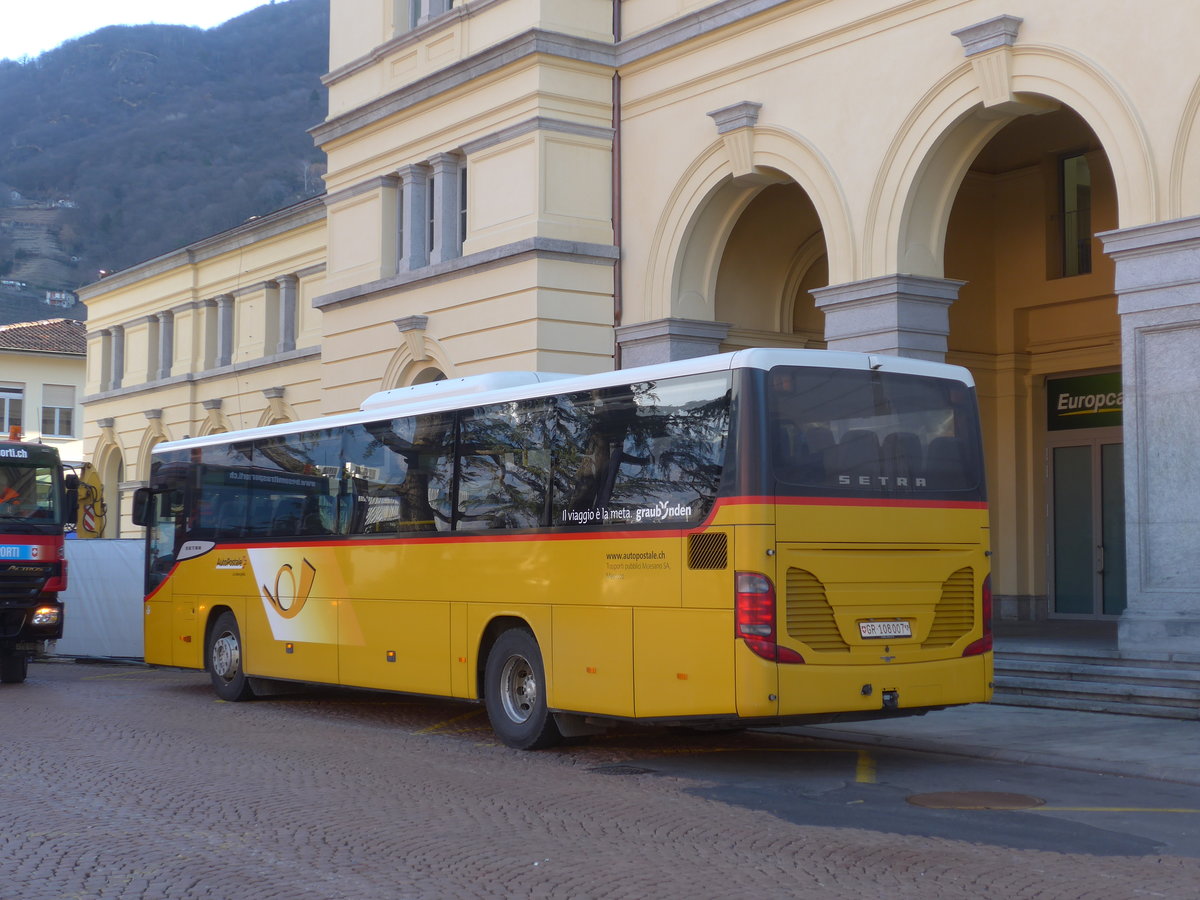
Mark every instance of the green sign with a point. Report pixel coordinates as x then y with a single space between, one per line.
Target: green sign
1085 401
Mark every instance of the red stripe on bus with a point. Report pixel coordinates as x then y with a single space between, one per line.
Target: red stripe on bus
880 503
483 537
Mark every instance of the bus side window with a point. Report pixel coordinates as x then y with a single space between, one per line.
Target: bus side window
503 472
285 521
231 518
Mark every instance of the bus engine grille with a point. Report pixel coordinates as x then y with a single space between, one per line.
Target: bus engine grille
954 615
809 615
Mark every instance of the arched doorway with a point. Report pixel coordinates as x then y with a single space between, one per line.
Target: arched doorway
774 256
1036 321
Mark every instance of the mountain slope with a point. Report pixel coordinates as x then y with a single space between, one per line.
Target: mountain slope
135 140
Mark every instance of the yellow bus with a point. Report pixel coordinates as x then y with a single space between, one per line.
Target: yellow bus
759 537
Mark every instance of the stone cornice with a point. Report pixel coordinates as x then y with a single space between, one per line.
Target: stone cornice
600 254
462 72
265 362
685 28
251 232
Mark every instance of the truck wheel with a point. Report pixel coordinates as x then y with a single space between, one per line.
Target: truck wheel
514 688
225 660
14 665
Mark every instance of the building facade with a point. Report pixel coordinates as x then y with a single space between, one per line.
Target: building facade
42 383
531 184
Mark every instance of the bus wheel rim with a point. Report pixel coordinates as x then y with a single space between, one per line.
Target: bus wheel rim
226 656
518 689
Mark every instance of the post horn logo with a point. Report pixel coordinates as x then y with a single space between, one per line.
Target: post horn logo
289 596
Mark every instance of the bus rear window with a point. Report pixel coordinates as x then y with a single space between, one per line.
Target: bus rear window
873 434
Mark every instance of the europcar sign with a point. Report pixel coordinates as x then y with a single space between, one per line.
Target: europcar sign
1085 401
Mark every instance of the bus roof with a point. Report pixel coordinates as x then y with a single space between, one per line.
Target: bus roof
498 387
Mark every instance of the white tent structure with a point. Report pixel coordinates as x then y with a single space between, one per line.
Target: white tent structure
103 600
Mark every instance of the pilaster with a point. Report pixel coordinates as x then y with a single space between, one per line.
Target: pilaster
1158 298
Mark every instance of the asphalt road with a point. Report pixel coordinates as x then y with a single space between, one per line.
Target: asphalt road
132 782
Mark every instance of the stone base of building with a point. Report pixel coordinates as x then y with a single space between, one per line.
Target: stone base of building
1174 636
1020 607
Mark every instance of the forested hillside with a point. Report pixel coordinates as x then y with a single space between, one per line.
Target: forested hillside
135 140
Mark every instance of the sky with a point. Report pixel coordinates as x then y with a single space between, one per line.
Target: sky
31 27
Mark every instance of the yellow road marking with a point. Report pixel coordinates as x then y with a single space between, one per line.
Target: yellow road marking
864 772
441 725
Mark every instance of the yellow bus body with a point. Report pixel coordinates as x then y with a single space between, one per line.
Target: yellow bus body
636 625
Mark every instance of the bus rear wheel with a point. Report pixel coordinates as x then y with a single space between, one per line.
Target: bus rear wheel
14 665
514 687
225 660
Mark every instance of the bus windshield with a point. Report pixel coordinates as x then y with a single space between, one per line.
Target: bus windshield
873 434
29 498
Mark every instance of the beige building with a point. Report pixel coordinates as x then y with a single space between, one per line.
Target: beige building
533 184
41 384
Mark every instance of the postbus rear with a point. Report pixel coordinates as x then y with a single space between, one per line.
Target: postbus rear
866 590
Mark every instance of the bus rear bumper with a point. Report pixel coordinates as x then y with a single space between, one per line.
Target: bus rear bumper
882 689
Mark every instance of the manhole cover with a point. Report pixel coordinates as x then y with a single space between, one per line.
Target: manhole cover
975 800
619 770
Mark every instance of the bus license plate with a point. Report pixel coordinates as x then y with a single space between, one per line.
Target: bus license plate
885 629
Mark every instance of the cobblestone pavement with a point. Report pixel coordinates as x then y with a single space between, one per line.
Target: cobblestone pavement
136 783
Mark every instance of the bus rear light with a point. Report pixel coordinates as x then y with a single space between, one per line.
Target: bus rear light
754 617
984 644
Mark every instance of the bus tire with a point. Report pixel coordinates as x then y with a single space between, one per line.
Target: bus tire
224 657
514 687
14 666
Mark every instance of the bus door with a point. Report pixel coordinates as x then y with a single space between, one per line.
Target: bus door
170 620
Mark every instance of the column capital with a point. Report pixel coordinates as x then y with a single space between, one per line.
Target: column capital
902 315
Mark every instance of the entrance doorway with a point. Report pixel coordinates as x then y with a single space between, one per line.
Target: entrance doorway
1087 554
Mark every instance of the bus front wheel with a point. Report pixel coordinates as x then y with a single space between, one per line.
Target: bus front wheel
225 660
515 693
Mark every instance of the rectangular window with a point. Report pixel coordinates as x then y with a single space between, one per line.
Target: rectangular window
1075 180
12 406
58 410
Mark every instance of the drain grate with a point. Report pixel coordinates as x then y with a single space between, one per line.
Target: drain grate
620 769
975 800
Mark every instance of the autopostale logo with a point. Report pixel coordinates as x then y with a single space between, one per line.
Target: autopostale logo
292 588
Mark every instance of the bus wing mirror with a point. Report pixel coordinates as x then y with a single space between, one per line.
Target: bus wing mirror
143 499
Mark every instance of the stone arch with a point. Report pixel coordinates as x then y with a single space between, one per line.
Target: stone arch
706 203
153 435
404 368
109 460
1183 191
278 410
923 168
807 255
272 416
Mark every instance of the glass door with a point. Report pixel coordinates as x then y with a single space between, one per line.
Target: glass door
1087 528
